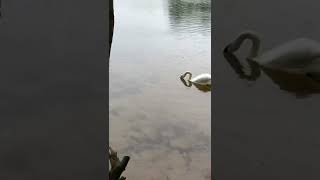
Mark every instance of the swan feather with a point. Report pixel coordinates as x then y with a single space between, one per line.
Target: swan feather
202 79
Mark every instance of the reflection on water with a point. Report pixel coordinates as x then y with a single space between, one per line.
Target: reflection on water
154 118
191 16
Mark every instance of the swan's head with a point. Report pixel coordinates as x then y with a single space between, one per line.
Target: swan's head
186 83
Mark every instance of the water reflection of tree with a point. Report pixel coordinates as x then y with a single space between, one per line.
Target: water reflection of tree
190 15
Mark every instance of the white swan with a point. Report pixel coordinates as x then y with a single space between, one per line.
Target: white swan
300 56
201 79
299 84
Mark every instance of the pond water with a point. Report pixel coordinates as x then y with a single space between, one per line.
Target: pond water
164 126
267 128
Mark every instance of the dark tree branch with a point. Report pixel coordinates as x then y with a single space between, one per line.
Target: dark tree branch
117 166
111 25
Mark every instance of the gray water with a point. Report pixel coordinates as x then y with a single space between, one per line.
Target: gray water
161 124
268 128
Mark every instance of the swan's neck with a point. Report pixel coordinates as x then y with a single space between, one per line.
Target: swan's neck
187 73
239 68
186 83
235 45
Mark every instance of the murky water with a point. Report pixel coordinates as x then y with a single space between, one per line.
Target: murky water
154 118
267 128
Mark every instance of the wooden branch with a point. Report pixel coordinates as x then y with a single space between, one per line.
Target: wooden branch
117 166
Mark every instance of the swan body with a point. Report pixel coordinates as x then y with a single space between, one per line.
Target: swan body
298 53
298 84
201 79
300 56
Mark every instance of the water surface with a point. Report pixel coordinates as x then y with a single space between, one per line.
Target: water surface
163 125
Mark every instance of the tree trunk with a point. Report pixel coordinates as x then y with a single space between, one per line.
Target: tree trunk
111 25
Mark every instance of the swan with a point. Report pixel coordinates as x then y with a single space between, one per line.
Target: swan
298 84
301 56
201 79
204 88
